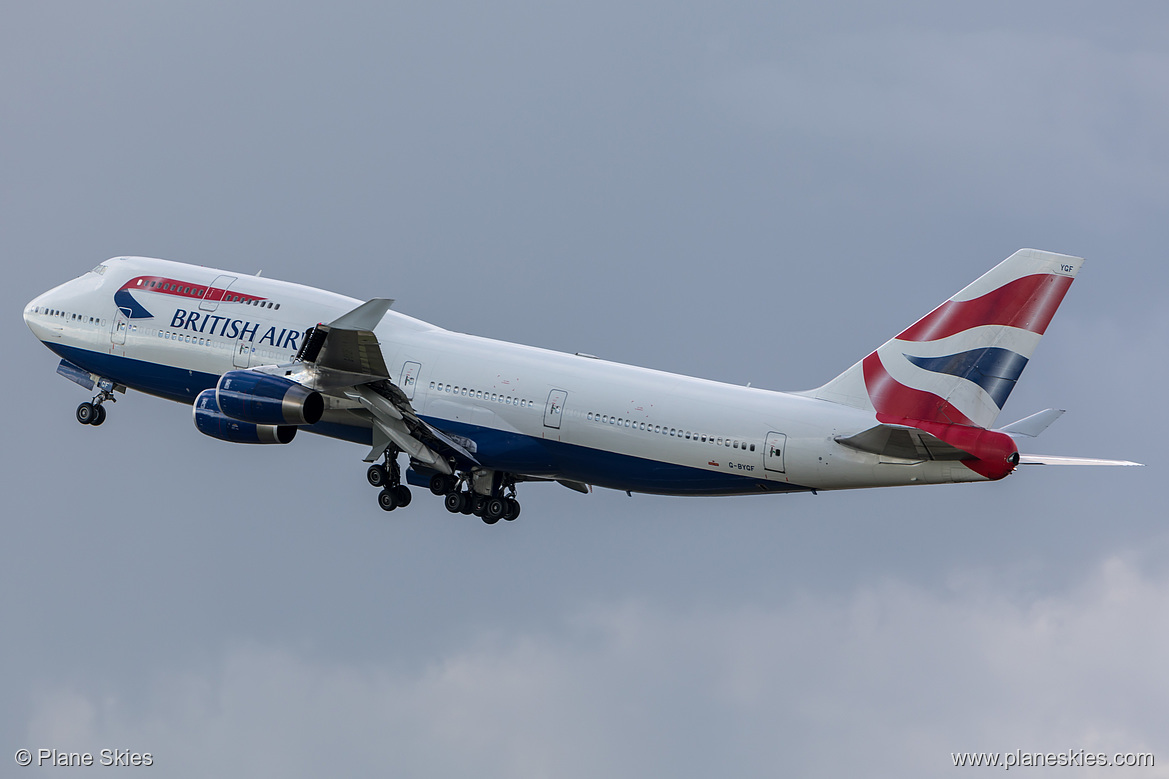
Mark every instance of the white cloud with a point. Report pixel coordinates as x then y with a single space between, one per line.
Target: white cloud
887 681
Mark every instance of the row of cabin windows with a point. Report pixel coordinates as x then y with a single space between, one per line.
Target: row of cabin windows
733 443
195 340
72 317
200 291
494 397
186 338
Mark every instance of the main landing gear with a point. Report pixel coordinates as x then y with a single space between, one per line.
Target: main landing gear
94 412
388 477
491 507
489 495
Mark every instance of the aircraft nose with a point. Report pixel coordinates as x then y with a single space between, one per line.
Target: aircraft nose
35 317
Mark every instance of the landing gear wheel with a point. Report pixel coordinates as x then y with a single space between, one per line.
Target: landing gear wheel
494 509
99 412
377 476
490 520
387 500
468 504
454 502
441 484
513 509
402 495
86 413
478 505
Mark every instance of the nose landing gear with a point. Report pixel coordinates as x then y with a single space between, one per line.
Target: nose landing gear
93 412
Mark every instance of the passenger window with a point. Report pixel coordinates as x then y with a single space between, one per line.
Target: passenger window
752 447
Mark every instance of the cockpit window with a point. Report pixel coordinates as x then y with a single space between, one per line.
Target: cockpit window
99 270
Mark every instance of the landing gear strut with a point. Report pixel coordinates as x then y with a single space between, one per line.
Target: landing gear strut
388 477
487 494
93 412
491 507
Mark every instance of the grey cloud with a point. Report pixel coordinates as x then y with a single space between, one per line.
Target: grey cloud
900 674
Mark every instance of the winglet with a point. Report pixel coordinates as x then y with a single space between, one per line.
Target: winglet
364 317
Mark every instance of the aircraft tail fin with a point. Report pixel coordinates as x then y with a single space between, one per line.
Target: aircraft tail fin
959 363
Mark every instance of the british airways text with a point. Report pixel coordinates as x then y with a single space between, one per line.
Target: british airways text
233 328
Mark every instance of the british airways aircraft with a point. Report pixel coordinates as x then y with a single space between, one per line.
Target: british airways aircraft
257 359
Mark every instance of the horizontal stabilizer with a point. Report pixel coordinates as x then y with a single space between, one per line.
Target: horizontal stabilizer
1053 459
906 443
1031 426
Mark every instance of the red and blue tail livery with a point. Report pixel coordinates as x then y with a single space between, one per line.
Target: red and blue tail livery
472 419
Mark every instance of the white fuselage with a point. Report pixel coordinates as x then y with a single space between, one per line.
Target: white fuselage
144 323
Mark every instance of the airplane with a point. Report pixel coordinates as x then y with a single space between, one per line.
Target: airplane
258 359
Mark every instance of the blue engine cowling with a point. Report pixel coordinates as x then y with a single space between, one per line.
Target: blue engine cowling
213 422
267 400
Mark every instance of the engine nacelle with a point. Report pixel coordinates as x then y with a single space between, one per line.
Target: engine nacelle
267 400
213 422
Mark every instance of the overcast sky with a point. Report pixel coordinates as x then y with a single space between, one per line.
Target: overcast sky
734 190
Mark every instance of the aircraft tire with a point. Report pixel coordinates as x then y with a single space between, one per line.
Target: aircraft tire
85 413
494 509
513 510
387 500
402 495
490 520
99 415
441 484
468 504
376 475
454 502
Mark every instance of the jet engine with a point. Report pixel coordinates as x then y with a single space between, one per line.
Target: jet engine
213 422
261 399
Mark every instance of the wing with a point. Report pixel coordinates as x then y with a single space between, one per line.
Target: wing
343 359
